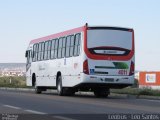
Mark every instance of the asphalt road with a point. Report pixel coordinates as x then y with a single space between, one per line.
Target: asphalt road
72 107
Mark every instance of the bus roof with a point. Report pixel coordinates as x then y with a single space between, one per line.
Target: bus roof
50 37
75 30
109 27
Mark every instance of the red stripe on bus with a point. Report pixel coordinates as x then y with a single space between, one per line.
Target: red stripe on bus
53 36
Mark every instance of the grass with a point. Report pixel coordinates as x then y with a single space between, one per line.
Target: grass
137 91
20 82
11 81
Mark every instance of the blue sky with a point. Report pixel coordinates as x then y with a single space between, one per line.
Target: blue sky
23 20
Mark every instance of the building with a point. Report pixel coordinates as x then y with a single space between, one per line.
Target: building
13 72
12 69
149 80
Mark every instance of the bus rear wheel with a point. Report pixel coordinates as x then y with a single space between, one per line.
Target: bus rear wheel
63 91
101 92
69 91
37 89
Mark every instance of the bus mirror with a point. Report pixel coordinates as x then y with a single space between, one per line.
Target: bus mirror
26 54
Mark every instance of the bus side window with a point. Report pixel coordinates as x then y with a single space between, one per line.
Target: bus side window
30 56
56 48
60 48
37 46
63 47
34 53
45 50
39 51
42 51
71 45
77 44
52 48
48 49
67 45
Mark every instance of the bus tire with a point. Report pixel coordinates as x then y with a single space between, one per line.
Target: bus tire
69 91
36 88
101 92
60 89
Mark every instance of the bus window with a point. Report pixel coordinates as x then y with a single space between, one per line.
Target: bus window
30 56
42 51
67 45
59 48
37 46
39 51
56 48
45 50
71 45
63 47
52 48
77 44
34 53
48 50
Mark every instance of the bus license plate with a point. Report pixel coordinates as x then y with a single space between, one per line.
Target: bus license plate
109 80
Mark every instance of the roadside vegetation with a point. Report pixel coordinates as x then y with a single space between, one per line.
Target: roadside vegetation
20 82
137 91
13 81
134 90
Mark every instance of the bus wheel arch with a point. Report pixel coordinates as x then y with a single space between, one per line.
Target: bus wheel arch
101 92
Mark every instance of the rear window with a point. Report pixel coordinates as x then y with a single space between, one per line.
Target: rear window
109 42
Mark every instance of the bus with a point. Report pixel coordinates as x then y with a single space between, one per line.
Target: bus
88 58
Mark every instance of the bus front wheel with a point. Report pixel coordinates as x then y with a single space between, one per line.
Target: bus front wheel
63 90
37 89
60 89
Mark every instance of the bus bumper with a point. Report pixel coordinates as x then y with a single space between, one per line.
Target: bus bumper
108 80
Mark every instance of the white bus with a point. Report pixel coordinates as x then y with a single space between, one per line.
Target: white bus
88 58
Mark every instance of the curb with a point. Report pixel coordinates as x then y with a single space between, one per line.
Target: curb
136 96
17 89
149 97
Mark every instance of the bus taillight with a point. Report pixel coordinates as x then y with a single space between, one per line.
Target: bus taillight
131 68
85 67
